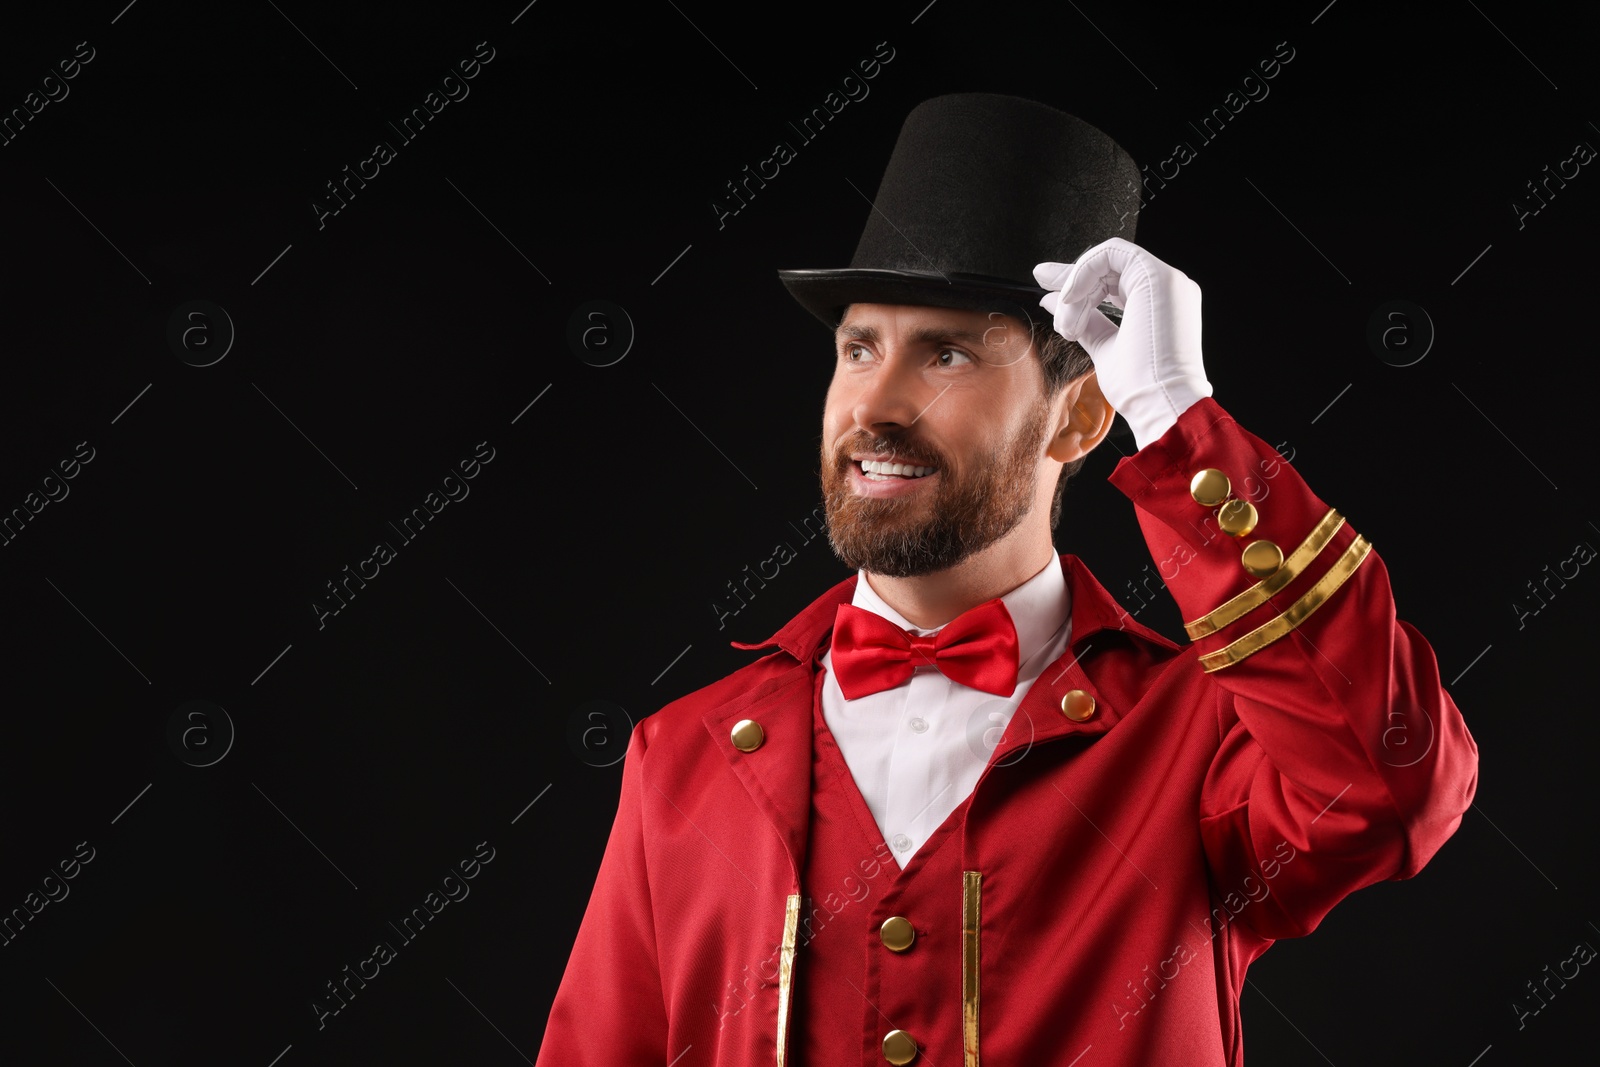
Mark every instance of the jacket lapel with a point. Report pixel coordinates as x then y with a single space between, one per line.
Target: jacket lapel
777 774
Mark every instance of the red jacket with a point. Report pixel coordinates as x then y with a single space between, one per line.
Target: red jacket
1217 796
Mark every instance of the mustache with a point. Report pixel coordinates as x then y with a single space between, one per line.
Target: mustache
904 448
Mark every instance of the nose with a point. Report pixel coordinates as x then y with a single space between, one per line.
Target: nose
891 395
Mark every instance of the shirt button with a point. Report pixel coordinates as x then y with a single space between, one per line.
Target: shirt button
919 725
900 842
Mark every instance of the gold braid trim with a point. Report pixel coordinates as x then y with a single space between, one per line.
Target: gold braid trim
791 923
1252 598
1298 612
971 914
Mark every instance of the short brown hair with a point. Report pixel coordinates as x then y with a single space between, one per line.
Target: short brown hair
1063 361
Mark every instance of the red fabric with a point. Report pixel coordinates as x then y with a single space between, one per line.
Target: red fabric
1133 864
978 648
854 885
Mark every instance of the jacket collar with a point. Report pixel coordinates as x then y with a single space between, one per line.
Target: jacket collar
1099 624
777 775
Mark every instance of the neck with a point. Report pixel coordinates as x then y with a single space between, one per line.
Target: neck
931 600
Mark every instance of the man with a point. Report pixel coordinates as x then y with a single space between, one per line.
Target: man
964 806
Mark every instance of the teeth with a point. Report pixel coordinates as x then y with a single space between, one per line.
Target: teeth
904 470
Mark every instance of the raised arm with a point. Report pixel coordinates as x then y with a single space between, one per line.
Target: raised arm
1342 761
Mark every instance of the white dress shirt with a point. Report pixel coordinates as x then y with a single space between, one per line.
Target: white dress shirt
916 751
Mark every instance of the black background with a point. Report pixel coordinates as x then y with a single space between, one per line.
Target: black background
376 351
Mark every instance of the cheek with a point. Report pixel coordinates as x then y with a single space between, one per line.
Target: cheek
836 418
830 426
838 391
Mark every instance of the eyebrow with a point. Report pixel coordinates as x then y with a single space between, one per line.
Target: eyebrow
925 335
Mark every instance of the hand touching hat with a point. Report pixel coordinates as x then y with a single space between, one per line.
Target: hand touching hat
1149 367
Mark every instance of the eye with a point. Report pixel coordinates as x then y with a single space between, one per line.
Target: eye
850 353
952 357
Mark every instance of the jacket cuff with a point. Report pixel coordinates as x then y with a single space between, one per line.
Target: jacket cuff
1258 556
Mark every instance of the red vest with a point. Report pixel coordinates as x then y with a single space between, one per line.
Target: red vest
854 885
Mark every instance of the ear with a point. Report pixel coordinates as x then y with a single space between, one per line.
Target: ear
1083 418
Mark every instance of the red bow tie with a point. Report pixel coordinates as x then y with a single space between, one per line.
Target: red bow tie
978 649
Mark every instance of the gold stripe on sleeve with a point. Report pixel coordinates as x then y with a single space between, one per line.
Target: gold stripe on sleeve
1253 597
791 924
971 913
1298 612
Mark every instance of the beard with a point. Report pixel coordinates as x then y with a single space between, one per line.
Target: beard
917 534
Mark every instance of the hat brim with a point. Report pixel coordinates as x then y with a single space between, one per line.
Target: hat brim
827 293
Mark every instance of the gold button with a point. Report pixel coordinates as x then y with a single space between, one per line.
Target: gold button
748 735
1210 487
1237 517
1261 558
897 933
898 1047
1077 705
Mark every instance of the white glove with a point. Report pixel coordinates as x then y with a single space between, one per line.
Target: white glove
1149 368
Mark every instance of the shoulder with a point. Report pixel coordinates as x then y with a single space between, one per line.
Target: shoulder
681 728
789 655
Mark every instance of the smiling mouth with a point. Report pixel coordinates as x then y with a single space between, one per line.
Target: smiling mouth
878 471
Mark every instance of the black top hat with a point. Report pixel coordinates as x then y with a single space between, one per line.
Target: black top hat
979 188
